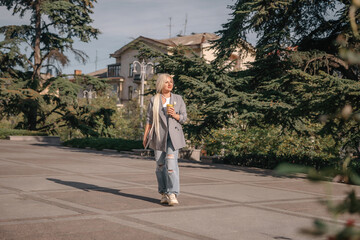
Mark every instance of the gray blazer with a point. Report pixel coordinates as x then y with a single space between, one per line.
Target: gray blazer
168 126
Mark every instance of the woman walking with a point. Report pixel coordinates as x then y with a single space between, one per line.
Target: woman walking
163 133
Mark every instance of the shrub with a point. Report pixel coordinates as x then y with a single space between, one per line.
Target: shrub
105 143
267 140
123 123
266 147
271 160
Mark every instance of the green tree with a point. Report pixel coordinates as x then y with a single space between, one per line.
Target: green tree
302 70
28 50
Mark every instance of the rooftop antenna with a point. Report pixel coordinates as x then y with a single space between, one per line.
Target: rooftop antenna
170 27
185 24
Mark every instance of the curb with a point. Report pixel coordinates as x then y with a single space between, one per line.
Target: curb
47 139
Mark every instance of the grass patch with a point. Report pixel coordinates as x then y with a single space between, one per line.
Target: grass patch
105 143
6 132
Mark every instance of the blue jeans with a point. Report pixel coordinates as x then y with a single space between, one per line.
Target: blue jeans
167 170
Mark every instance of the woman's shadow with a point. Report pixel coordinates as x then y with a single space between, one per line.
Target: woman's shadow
87 187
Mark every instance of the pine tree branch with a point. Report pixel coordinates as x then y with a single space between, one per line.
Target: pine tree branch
328 57
26 41
49 125
48 114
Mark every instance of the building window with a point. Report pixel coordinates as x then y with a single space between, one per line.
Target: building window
131 70
130 94
137 77
114 70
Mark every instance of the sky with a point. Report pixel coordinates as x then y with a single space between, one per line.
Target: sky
121 21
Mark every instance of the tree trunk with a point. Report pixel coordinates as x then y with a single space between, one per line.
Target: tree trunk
31 113
37 52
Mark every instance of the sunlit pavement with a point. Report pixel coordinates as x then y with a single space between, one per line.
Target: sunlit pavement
55 192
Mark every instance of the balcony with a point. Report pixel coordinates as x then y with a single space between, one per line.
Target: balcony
114 70
137 78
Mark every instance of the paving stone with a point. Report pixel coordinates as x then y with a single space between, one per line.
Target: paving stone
231 223
54 182
14 206
3 163
78 230
147 167
238 175
243 193
139 178
43 160
5 191
325 188
112 199
315 209
25 170
150 178
94 168
191 180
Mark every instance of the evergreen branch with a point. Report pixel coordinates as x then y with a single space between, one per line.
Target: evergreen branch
44 117
49 125
26 41
56 55
52 65
60 113
327 58
23 56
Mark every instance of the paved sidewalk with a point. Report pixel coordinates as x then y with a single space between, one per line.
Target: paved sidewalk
53 192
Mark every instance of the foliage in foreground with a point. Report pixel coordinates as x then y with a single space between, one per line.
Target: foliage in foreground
105 143
350 205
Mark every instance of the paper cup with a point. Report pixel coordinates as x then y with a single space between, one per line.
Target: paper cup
169 105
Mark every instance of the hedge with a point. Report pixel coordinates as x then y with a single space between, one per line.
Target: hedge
271 161
5 132
105 143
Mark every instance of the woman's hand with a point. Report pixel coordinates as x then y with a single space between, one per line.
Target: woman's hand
144 141
171 112
146 133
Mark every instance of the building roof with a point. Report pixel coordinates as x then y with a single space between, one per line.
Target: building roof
137 40
102 73
190 40
194 39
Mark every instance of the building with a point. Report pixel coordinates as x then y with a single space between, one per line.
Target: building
126 85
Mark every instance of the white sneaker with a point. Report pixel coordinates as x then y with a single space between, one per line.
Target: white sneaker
172 200
163 199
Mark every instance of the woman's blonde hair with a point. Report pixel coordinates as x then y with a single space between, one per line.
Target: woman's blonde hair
160 82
